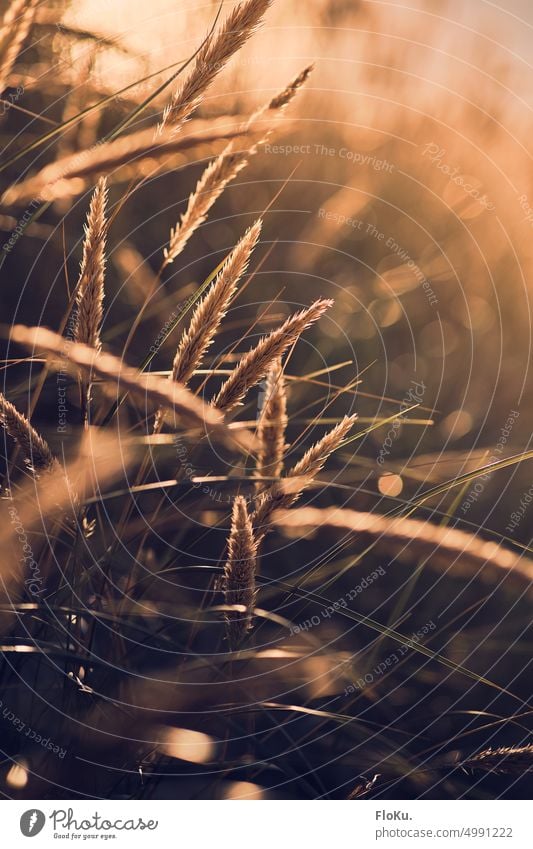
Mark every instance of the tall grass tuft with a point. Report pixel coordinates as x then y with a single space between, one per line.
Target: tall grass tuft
16 25
239 573
109 560
272 425
254 365
223 170
286 492
37 453
215 53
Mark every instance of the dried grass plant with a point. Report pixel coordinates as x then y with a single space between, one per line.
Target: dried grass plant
222 170
254 366
216 52
272 424
14 31
239 573
37 453
506 759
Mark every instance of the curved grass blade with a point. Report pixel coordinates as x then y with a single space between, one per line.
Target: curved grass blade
470 476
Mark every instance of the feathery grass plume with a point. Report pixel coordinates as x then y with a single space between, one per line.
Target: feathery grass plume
37 453
153 391
222 171
210 312
287 491
90 289
212 308
254 365
281 100
443 547
272 425
215 53
507 759
66 176
16 25
210 186
239 572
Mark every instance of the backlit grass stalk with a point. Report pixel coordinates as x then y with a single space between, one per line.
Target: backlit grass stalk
150 389
443 548
272 425
212 308
507 759
286 492
90 288
210 311
254 365
67 177
37 453
16 25
215 53
223 170
239 573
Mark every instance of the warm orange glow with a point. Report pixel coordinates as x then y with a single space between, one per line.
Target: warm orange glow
390 485
187 745
244 790
17 777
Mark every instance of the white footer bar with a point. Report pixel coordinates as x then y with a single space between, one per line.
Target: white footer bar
268 825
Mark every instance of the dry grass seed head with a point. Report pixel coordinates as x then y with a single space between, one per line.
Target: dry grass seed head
37 453
254 365
280 101
222 171
507 759
90 294
272 424
239 572
212 308
215 53
212 183
286 492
